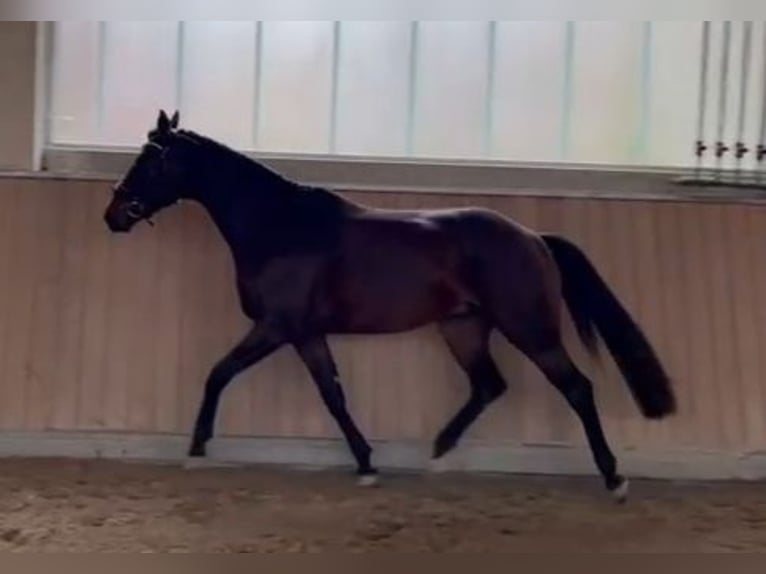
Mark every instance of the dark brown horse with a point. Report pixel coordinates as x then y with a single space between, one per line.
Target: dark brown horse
310 263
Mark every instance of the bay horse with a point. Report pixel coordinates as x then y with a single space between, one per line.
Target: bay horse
310 263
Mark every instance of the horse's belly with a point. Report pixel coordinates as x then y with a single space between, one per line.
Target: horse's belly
393 301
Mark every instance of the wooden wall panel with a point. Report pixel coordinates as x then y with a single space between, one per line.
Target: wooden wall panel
754 230
105 332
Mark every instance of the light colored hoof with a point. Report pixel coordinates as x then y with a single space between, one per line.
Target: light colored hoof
620 493
194 462
438 465
368 480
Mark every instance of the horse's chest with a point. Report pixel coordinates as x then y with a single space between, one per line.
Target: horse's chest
283 288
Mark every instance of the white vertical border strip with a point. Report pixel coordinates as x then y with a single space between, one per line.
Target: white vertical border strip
645 99
761 149
567 90
739 146
257 87
723 91
180 65
700 146
412 89
44 70
336 44
102 48
489 101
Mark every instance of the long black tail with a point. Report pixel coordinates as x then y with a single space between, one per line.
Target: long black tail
594 308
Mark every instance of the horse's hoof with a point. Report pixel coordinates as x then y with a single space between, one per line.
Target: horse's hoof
368 480
197 449
620 493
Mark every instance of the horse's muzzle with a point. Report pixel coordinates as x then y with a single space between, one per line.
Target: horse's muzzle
118 221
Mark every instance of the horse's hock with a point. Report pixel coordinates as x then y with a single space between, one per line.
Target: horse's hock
106 344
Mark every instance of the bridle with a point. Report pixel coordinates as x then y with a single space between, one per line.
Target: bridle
137 209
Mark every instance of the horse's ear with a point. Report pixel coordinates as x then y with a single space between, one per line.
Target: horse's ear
163 123
174 120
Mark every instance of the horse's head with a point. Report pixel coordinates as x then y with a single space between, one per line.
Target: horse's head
153 182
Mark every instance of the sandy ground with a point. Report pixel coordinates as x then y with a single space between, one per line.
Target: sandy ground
62 505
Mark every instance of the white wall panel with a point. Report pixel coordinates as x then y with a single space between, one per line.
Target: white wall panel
672 106
218 95
373 88
528 95
75 82
606 91
295 91
451 89
140 77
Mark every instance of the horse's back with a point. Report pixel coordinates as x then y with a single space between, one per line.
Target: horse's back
445 238
472 220
398 269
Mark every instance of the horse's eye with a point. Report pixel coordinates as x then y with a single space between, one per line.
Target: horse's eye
135 209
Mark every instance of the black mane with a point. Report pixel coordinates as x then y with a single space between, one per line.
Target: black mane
237 161
246 198
241 172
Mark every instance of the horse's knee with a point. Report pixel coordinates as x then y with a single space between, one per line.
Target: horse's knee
577 390
488 383
219 376
493 389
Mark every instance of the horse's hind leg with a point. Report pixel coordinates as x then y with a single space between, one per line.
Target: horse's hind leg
535 330
522 296
577 389
467 337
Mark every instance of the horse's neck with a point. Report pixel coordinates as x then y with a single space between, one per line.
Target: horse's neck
239 216
260 215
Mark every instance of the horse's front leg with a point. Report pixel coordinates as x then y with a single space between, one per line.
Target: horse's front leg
260 342
317 357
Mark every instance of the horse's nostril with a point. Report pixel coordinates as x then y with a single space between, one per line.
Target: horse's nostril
115 222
